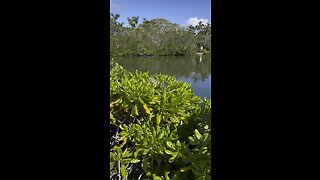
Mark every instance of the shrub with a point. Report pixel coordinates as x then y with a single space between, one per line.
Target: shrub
206 52
159 128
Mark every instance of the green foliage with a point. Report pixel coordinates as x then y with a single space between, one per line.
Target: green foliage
159 128
158 37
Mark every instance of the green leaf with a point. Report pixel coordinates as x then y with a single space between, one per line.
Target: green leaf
174 119
117 149
135 161
191 139
113 120
155 177
125 127
113 157
158 119
178 143
161 135
198 135
205 136
150 116
125 161
166 175
168 152
185 169
154 133
173 157
164 97
147 110
135 111
136 154
170 145
161 152
123 172
141 101
126 153
145 152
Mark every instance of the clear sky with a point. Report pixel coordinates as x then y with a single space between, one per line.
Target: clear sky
183 12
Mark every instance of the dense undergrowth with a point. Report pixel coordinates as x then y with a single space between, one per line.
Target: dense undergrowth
159 128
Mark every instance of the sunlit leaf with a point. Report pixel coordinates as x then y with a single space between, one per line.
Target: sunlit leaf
123 172
158 119
146 109
198 135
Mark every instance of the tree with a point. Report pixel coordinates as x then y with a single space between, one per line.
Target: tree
156 37
133 22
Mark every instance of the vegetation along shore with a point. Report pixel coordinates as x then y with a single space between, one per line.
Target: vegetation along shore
159 129
157 37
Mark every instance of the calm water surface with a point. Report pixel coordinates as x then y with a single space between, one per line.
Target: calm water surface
191 69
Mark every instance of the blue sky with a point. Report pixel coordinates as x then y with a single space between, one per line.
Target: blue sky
183 12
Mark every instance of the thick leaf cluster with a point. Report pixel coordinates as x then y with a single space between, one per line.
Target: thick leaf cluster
159 128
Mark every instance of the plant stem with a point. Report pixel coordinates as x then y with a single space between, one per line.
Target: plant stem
119 167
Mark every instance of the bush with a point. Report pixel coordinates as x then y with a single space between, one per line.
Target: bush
159 128
206 52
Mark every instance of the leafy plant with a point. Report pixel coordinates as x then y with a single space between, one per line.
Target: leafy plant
159 128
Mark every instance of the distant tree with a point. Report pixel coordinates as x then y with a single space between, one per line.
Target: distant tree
156 37
133 22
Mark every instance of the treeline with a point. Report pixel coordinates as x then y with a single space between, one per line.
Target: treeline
157 37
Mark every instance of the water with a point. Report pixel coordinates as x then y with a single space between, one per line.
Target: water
191 69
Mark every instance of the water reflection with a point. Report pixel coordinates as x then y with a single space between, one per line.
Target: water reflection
192 69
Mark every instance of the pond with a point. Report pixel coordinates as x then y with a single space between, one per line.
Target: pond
191 69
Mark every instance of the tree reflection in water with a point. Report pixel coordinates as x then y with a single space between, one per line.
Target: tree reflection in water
192 69
196 67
